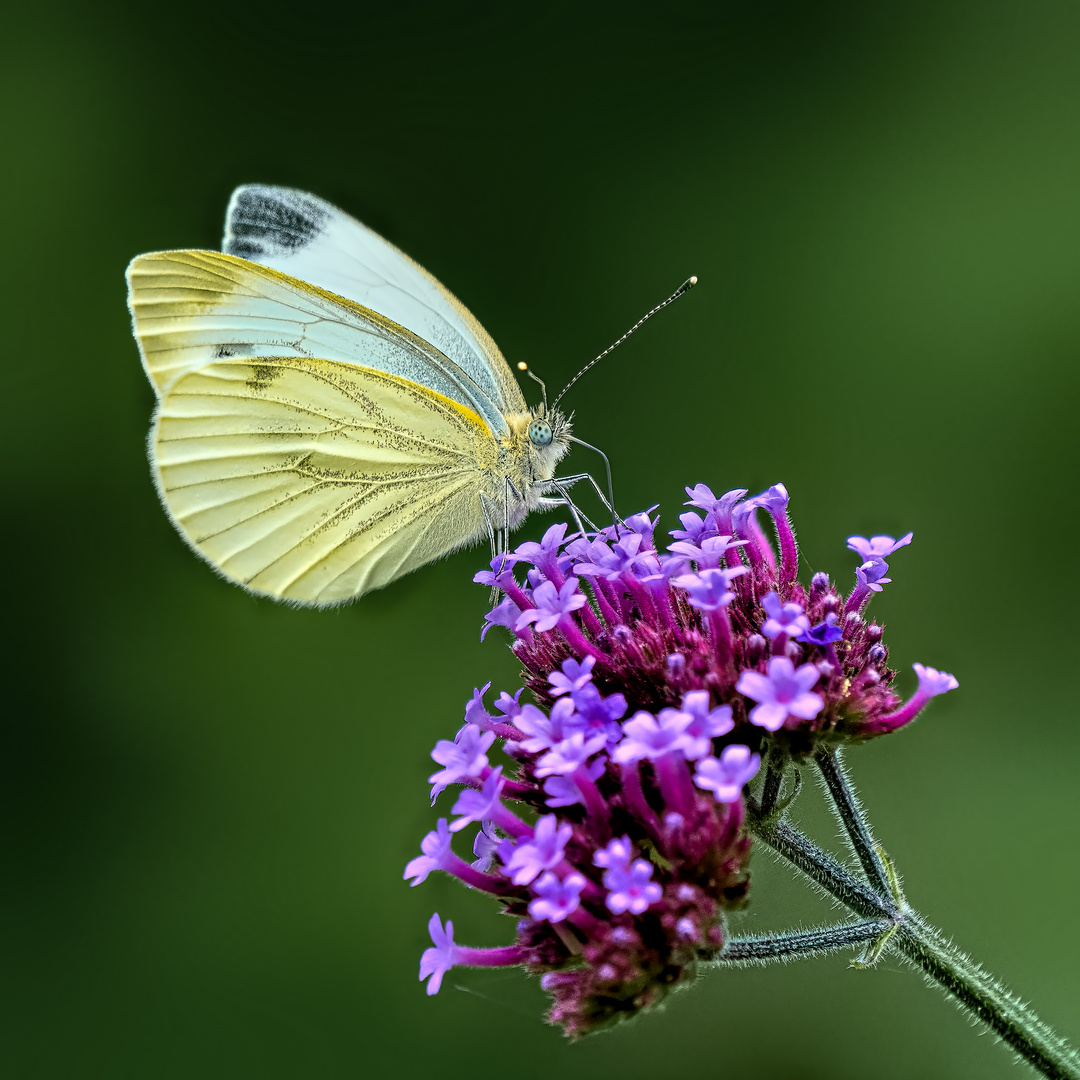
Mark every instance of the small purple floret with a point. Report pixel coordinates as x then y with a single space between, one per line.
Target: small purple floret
823 633
877 547
505 613
871 575
480 805
573 676
783 692
708 590
546 730
726 775
783 618
933 682
648 736
439 959
465 757
631 888
566 757
705 724
435 847
543 852
552 605
555 898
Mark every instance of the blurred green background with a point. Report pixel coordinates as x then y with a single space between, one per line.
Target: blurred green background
210 798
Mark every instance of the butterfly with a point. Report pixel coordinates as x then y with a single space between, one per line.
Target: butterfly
329 416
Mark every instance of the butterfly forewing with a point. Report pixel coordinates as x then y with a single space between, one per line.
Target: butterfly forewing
308 238
316 481
191 308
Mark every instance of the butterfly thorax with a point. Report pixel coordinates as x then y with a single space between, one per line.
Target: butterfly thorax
527 457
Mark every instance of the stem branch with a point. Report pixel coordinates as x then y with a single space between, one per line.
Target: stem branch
761 948
848 810
921 945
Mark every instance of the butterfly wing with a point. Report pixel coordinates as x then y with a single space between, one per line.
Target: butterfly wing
308 238
315 481
192 308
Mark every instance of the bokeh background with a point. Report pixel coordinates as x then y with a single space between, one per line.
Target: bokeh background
209 798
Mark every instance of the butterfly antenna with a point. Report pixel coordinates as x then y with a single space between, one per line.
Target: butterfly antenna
686 286
522 366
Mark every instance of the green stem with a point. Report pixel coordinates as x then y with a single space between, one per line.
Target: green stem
820 867
761 948
956 974
848 810
774 778
941 962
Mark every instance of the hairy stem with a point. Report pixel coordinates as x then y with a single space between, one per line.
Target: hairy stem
774 777
914 940
762 948
959 976
820 867
847 809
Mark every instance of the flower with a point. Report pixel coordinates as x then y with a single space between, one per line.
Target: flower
823 633
871 575
543 852
708 590
478 805
556 898
545 555
441 957
705 724
567 756
655 700
784 692
783 618
505 613
435 847
631 888
552 604
444 955
573 676
648 736
725 776
878 547
465 756
932 683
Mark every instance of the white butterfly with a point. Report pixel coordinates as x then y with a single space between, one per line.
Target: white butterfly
329 417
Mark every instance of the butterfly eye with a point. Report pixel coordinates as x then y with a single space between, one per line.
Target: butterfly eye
540 433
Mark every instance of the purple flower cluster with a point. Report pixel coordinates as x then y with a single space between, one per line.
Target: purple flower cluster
614 829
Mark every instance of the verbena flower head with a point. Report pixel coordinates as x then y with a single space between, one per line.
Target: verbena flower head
614 830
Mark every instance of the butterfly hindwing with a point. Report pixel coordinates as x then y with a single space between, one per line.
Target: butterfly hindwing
316 481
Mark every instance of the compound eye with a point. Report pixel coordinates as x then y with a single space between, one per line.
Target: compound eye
540 433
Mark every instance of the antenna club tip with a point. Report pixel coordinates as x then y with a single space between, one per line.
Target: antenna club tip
692 280
522 366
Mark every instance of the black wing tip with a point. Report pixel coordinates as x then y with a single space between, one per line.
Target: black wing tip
271 221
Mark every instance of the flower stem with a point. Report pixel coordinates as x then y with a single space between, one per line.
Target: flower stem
922 946
956 974
774 778
761 948
847 809
820 867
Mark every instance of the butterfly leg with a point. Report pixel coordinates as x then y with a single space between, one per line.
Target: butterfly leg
609 502
558 485
616 521
489 522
